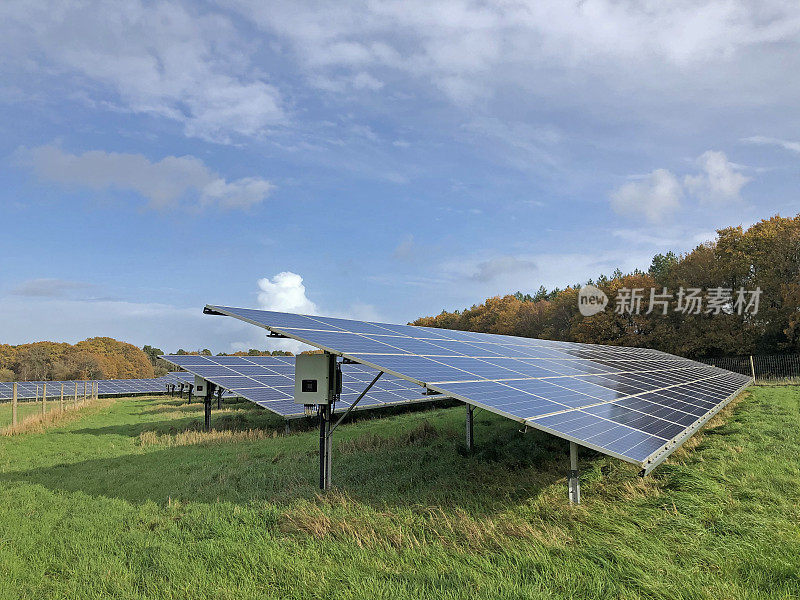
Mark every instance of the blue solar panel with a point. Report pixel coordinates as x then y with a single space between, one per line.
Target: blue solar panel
29 390
633 403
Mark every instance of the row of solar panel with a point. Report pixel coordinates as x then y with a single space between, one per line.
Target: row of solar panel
269 382
628 402
433 339
27 390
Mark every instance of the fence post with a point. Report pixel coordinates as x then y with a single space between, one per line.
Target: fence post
75 399
752 368
44 399
14 406
84 390
62 397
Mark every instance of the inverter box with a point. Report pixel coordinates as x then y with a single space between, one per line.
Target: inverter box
314 378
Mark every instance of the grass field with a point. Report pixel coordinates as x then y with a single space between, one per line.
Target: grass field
24 410
128 500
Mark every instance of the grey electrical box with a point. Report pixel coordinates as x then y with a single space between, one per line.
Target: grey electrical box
316 378
199 386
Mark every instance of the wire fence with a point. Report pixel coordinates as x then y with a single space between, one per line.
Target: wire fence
767 368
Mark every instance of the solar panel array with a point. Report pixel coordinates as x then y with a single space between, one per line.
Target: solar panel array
632 403
269 382
27 390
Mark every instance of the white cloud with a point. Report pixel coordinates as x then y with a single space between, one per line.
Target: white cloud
770 141
162 58
658 194
285 292
719 180
652 197
465 48
171 182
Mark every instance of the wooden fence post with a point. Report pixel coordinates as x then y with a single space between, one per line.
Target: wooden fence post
44 399
62 396
75 399
752 368
14 406
84 390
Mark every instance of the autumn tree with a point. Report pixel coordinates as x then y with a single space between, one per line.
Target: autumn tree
766 256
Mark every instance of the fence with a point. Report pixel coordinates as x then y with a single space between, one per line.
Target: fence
770 368
23 408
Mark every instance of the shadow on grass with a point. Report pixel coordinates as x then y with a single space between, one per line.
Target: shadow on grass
242 416
422 465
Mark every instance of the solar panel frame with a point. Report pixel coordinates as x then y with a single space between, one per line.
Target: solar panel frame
651 451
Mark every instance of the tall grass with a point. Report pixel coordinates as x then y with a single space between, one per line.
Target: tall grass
132 501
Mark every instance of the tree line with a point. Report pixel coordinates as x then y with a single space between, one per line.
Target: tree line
765 257
94 358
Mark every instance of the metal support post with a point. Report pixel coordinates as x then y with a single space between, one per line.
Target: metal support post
210 389
14 406
324 446
288 428
470 438
574 481
219 398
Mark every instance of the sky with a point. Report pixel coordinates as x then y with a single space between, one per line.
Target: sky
371 160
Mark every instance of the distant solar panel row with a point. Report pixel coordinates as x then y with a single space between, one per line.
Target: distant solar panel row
269 382
27 390
633 403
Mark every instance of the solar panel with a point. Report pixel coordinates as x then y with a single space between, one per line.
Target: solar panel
181 377
269 382
636 404
28 390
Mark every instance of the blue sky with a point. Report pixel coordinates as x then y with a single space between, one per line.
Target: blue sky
371 160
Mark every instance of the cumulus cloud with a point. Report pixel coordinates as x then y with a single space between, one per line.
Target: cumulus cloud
652 197
285 292
658 195
163 58
718 180
171 182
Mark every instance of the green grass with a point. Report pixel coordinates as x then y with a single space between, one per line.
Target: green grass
128 500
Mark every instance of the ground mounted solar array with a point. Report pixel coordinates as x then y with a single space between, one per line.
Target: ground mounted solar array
27 390
632 403
269 382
